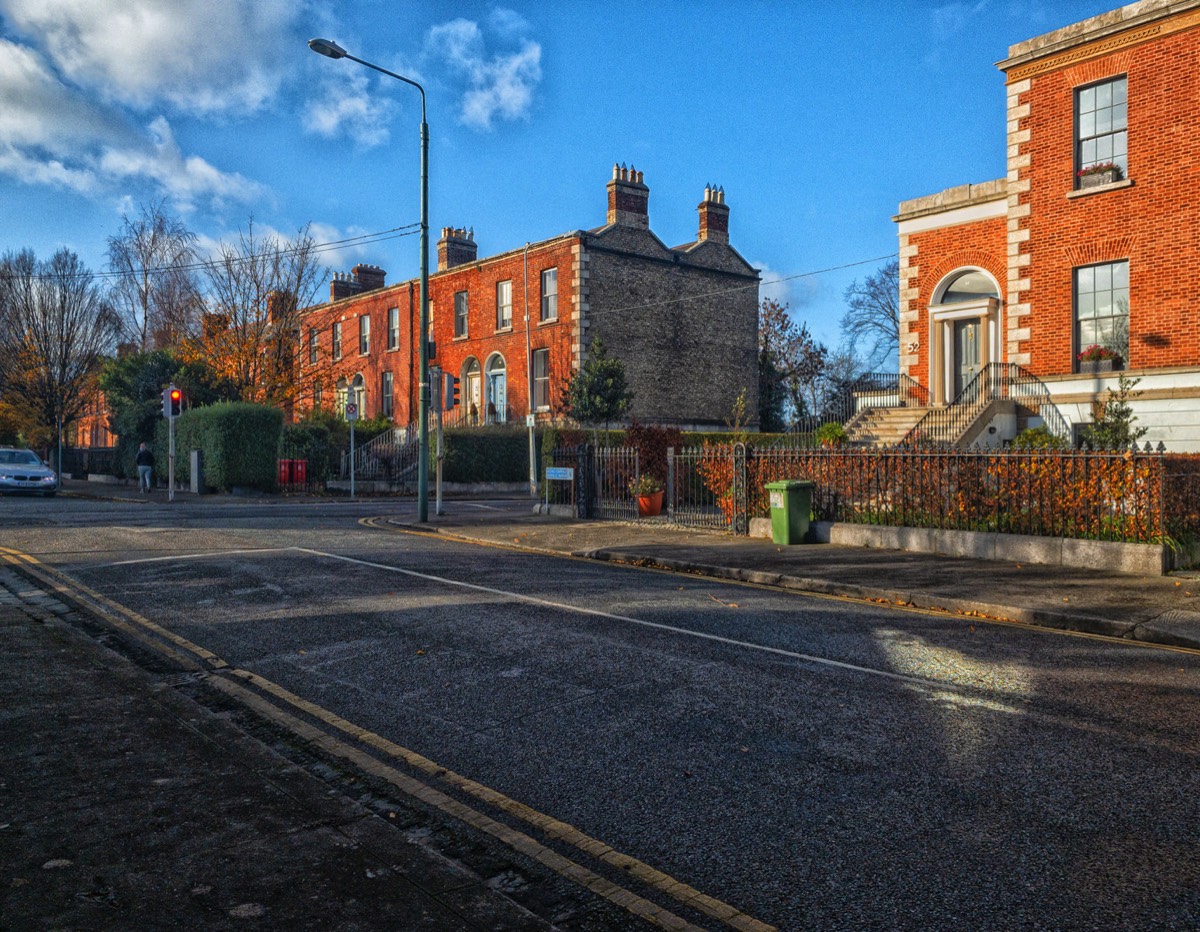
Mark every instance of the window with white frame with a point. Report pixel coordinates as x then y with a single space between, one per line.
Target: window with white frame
541 379
316 394
460 313
364 335
1102 311
393 339
550 294
386 387
337 340
503 305
1101 133
313 345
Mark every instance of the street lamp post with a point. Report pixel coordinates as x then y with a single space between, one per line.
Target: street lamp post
333 50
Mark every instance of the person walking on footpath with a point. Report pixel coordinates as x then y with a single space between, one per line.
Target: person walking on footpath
145 466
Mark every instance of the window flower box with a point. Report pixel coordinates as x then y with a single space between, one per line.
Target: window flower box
1102 173
1097 358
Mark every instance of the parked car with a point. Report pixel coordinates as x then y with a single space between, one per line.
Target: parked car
23 471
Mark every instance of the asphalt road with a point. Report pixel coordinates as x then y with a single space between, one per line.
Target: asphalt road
815 763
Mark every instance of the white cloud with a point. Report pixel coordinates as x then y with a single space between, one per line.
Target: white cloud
36 110
953 18
499 85
340 257
184 178
51 172
345 107
772 287
508 23
200 56
55 136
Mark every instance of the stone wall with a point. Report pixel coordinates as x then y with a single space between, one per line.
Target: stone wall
687 333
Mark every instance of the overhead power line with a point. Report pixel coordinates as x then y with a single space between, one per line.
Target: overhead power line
362 240
747 287
412 229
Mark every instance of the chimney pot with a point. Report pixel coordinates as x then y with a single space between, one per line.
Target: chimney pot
628 199
714 216
456 247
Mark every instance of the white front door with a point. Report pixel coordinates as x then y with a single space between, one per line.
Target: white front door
498 396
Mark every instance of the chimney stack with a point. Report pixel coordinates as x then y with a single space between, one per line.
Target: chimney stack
369 277
456 247
628 198
359 279
714 216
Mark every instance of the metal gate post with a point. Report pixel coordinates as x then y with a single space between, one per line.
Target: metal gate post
584 468
670 483
741 504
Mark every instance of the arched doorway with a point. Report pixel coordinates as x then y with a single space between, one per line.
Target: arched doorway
472 389
964 331
497 390
341 397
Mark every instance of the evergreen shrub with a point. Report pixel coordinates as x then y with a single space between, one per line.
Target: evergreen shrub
239 442
486 454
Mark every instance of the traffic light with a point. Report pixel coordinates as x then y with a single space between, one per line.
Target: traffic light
172 402
450 393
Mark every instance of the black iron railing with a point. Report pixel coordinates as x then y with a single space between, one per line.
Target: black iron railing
994 382
872 390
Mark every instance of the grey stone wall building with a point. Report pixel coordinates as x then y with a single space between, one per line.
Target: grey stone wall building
683 319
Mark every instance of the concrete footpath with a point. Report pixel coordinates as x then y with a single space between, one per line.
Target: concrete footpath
124 804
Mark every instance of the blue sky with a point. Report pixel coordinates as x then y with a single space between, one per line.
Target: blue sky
817 118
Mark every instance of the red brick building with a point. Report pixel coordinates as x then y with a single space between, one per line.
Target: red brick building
682 319
1091 240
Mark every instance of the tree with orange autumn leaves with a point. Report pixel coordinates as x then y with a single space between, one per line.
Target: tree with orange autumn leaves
255 291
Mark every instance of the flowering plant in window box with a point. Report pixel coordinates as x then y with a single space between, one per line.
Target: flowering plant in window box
1100 173
1097 358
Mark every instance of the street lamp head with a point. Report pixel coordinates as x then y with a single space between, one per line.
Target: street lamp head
327 48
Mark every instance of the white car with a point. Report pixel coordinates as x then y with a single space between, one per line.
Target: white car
23 471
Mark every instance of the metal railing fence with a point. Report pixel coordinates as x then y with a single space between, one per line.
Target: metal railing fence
994 382
1142 496
390 457
871 390
1045 493
615 470
81 462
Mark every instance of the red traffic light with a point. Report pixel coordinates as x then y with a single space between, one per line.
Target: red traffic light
176 394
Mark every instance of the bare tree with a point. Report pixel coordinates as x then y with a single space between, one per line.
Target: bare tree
155 290
256 291
55 329
790 357
871 324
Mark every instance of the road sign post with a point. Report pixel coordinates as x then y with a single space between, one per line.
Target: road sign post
351 416
438 383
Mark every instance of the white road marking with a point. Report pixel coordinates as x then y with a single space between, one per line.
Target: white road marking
187 556
566 606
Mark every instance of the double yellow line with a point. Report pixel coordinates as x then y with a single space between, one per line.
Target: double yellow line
253 691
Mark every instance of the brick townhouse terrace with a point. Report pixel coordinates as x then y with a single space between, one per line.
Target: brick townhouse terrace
1023 298
514 325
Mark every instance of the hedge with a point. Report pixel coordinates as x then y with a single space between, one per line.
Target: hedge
238 440
486 454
